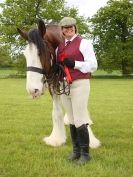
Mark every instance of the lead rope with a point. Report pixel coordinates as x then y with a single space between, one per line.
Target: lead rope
53 79
58 87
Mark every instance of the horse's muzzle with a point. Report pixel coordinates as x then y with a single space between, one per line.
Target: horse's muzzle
36 93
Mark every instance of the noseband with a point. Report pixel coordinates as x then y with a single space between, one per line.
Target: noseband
37 70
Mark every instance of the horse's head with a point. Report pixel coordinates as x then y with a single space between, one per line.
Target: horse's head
38 59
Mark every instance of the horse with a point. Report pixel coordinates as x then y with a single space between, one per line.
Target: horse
40 54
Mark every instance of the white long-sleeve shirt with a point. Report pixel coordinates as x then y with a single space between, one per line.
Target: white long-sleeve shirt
90 63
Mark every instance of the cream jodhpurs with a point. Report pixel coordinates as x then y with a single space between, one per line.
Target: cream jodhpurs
76 104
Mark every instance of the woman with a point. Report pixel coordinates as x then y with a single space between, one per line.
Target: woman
80 60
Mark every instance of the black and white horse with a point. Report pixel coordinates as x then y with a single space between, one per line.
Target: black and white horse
40 59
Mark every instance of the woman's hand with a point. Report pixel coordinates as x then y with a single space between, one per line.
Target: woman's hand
69 62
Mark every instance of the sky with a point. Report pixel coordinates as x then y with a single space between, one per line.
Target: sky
86 7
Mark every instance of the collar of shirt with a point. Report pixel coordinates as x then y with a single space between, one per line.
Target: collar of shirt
66 40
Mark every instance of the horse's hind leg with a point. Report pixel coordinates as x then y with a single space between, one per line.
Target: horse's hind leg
58 135
94 142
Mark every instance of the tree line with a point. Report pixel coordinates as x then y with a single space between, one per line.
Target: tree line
111 30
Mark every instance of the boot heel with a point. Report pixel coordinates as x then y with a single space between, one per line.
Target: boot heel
83 159
73 156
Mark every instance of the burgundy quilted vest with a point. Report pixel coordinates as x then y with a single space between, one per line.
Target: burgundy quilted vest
72 51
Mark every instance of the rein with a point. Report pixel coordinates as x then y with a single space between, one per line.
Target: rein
57 81
53 79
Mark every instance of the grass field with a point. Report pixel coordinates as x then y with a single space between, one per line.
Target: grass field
7 71
24 122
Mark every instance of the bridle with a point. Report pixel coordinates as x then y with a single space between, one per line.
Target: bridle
53 81
38 70
35 69
52 78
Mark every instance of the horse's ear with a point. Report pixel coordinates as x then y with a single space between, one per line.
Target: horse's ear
23 33
41 27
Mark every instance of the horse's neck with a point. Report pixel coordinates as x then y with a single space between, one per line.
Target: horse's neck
54 38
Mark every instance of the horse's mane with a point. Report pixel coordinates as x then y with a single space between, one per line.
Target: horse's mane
53 36
35 37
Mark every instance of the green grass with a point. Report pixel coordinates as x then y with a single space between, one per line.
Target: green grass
7 71
104 73
24 122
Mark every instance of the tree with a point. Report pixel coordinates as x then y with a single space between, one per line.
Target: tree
26 14
5 59
16 13
113 36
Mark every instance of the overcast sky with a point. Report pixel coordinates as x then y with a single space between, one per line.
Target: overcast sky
86 7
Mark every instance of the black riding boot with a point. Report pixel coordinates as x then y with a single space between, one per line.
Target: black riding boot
76 149
83 136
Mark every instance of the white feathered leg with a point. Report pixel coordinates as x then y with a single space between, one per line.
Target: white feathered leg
66 120
58 135
94 142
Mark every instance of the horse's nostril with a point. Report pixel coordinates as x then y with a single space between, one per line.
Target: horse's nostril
36 90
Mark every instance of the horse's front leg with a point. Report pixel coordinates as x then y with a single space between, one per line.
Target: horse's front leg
58 135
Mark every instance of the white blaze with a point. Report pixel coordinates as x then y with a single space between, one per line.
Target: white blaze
34 79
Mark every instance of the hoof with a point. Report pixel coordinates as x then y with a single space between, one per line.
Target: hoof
53 142
95 144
